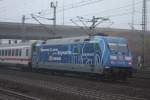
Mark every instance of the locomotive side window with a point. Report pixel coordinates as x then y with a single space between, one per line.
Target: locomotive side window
0 52
86 39
77 40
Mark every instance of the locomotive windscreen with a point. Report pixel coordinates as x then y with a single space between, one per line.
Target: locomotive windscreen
118 47
117 44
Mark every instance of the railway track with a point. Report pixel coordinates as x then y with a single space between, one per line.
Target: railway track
130 84
142 75
83 92
11 95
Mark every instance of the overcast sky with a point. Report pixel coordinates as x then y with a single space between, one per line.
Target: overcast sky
118 11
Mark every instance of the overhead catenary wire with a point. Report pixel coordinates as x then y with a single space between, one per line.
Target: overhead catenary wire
86 31
46 28
113 15
76 5
83 3
80 5
43 12
118 8
108 10
95 21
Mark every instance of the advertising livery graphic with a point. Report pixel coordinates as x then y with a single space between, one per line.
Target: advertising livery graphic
87 53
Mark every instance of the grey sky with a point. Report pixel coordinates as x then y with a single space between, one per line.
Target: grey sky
119 11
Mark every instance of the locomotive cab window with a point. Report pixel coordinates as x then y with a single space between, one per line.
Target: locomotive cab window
118 47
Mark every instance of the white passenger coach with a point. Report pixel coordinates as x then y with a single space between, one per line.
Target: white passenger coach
17 54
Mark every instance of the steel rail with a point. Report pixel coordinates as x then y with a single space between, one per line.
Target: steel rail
17 95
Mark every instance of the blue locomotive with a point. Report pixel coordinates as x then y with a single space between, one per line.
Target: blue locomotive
97 55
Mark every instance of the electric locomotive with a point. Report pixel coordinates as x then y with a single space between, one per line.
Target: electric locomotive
98 55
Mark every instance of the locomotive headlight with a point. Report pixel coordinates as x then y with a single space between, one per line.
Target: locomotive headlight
113 57
130 62
107 67
128 58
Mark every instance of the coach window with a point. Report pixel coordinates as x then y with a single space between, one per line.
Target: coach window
6 52
16 52
19 52
2 52
9 52
13 52
27 52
